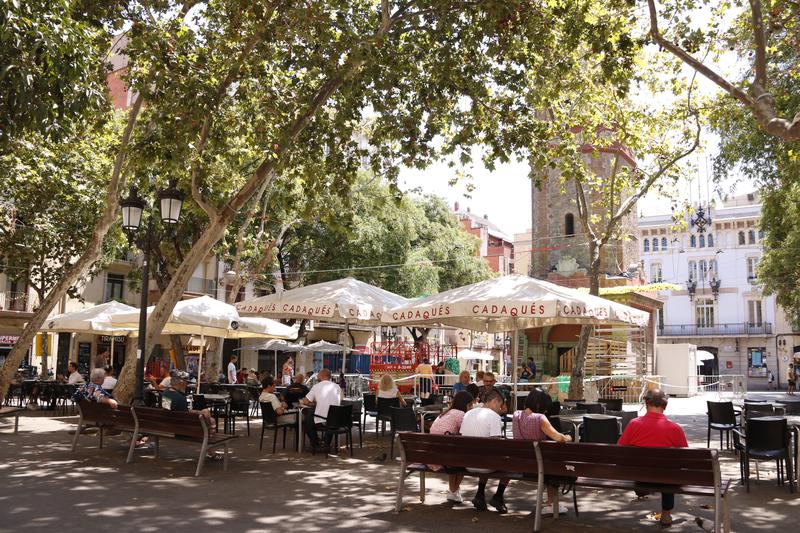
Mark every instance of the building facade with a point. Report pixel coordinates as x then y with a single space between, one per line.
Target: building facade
712 253
497 247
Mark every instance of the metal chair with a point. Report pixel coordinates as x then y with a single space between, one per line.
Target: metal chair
239 406
601 429
625 416
357 409
370 409
403 419
339 421
611 404
766 439
722 418
384 414
590 407
269 420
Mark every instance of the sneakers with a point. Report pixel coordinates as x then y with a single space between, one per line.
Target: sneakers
454 496
479 503
548 509
498 503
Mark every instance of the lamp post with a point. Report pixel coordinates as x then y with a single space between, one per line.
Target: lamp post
170 201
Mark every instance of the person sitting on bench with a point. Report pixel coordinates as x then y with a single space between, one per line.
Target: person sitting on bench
449 423
654 430
532 424
94 392
486 422
174 399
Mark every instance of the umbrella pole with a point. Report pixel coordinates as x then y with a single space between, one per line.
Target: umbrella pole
111 356
200 361
275 363
514 363
346 342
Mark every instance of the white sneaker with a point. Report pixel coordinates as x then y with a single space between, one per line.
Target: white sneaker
455 496
548 509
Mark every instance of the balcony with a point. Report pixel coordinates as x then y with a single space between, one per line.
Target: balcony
717 330
202 286
18 301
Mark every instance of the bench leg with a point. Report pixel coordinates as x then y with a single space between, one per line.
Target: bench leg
158 447
726 516
401 485
16 423
132 447
77 434
422 487
202 459
555 503
101 437
540 488
225 460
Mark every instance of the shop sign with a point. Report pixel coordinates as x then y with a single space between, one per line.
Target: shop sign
8 339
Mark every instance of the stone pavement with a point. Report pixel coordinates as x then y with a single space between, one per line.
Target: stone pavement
43 484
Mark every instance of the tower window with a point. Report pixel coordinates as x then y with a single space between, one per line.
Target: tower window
647 245
655 244
569 225
741 237
693 241
663 244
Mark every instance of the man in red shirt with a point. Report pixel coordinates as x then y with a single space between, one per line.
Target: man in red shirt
653 430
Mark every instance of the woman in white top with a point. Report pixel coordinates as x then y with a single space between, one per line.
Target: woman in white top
387 389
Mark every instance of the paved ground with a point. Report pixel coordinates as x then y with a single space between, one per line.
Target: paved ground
43 484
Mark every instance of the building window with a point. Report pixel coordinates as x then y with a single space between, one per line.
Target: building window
655 244
647 245
710 240
569 225
693 241
660 319
703 269
704 312
741 237
752 268
663 244
761 235
751 237
754 316
702 241
115 287
656 275
692 270
712 269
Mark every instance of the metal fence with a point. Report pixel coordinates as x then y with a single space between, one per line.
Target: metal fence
693 330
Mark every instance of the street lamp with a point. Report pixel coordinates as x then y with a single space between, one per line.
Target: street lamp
715 286
691 287
170 203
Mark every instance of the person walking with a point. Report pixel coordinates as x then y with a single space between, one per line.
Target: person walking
232 369
791 379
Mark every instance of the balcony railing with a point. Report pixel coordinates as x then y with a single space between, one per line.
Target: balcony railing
693 330
202 286
18 301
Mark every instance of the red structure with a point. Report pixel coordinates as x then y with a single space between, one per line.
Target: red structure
399 359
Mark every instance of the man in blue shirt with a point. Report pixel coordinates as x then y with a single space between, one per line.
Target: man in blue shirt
174 398
532 368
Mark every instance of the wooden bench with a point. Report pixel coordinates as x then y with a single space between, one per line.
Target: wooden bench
506 458
181 426
694 472
104 418
12 411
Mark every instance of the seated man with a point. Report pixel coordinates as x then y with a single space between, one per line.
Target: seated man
75 377
268 396
654 430
296 391
463 381
488 384
486 422
94 391
322 395
174 399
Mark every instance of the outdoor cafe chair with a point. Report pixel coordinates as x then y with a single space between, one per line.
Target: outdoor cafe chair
269 420
431 400
357 408
403 419
591 408
384 413
611 404
339 422
722 418
791 407
625 417
370 409
240 406
766 439
600 429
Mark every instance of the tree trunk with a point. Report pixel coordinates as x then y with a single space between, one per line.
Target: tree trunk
83 263
576 381
177 347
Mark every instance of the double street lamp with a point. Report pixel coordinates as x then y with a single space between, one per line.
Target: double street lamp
170 201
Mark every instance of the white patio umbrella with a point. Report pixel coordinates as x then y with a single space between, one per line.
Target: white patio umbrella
347 301
326 347
95 320
511 303
278 345
704 355
206 316
472 355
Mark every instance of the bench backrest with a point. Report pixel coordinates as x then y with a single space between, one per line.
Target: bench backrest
170 423
672 466
103 414
472 452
